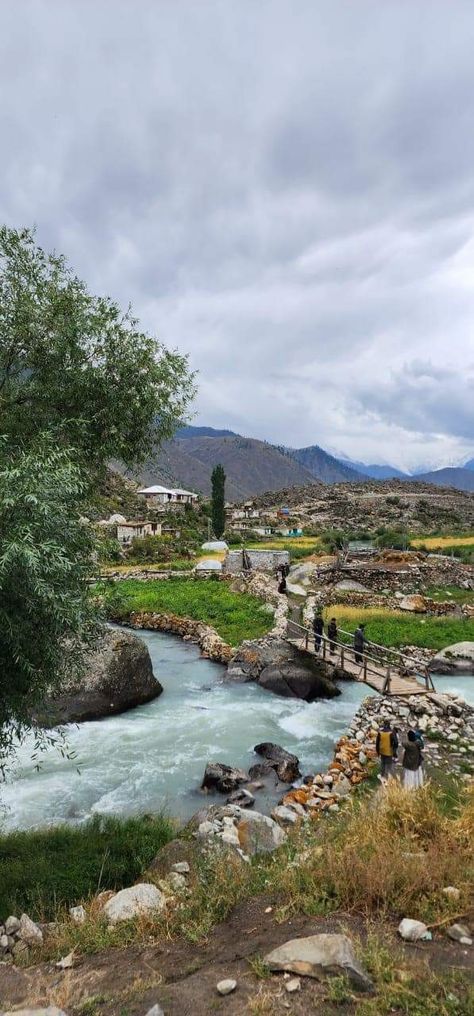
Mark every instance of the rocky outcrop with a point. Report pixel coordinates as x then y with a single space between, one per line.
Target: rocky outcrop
210 643
286 765
279 667
243 832
455 659
118 676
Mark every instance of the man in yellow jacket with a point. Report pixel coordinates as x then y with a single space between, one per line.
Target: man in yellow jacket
386 746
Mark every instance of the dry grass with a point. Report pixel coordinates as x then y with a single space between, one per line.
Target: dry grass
439 542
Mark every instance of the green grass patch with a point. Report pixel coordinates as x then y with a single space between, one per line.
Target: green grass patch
235 616
396 628
442 594
45 870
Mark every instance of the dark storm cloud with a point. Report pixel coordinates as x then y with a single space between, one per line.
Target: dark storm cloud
284 190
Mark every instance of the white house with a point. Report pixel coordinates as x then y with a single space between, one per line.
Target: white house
157 495
127 531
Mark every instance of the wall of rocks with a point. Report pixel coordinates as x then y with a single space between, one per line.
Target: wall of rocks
210 643
260 560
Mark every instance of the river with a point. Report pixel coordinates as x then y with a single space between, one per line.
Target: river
152 758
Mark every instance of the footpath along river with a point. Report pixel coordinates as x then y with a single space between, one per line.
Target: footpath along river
152 758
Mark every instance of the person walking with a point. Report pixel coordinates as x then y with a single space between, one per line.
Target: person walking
332 635
318 629
282 585
359 642
386 746
412 762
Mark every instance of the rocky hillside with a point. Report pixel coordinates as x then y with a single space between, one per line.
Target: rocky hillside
323 466
461 479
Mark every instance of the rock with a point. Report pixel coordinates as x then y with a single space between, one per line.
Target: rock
415 603
247 832
460 933
286 816
283 669
412 931
286 765
29 932
135 901
351 585
78 914
294 984
318 956
178 851
452 892
51 1010
455 659
155 1010
4 942
118 676
226 987
343 787
242 797
181 867
221 777
12 925
66 962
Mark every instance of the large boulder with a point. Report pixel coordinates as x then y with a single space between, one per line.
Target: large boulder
455 659
283 762
136 901
219 776
319 956
415 603
232 828
283 669
118 676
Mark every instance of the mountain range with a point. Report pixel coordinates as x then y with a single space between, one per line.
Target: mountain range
253 466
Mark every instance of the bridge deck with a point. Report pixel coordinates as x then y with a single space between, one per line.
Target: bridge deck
370 673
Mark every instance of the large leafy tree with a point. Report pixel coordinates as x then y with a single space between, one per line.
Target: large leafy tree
73 364
218 500
46 616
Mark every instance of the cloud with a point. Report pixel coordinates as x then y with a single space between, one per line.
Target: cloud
285 191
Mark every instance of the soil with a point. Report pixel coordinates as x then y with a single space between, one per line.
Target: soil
182 977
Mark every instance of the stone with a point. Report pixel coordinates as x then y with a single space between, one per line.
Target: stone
135 901
283 669
342 788
415 603
155 1010
226 986
118 676
176 881
29 932
286 765
50 1010
460 933
4 942
12 925
78 914
412 931
224 778
294 984
181 867
319 956
284 815
451 892
455 659
242 797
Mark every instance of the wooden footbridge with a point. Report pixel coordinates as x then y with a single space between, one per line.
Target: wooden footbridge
385 670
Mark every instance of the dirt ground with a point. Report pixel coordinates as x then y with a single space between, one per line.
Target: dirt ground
182 977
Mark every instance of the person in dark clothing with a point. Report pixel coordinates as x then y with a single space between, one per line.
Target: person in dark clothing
282 585
318 628
386 746
332 635
412 762
286 571
359 642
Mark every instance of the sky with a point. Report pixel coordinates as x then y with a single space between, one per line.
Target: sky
284 189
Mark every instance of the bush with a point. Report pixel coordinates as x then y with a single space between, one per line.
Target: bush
50 868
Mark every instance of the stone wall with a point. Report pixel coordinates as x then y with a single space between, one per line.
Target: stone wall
260 560
210 643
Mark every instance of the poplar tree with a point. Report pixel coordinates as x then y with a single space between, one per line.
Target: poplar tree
218 500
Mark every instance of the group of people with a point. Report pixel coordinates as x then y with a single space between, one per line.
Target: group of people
387 746
318 630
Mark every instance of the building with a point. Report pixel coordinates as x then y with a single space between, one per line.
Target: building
127 531
168 496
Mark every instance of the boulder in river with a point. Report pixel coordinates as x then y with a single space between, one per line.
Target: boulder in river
118 676
218 776
455 659
286 765
283 669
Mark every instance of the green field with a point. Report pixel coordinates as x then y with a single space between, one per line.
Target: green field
235 616
45 870
397 628
443 594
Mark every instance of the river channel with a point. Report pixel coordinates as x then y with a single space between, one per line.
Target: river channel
152 758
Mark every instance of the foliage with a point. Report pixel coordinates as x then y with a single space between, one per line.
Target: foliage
235 616
45 556
46 869
395 539
397 628
331 540
218 500
75 365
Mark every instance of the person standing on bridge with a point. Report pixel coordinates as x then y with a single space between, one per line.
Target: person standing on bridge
386 747
359 643
332 635
318 629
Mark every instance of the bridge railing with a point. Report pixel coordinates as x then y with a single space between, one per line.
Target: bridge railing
371 662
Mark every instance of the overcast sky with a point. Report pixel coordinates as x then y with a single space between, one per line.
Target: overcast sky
283 189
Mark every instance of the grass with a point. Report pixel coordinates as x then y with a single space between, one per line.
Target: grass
45 870
442 542
396 628
445 593
235 616
299 547
176 564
